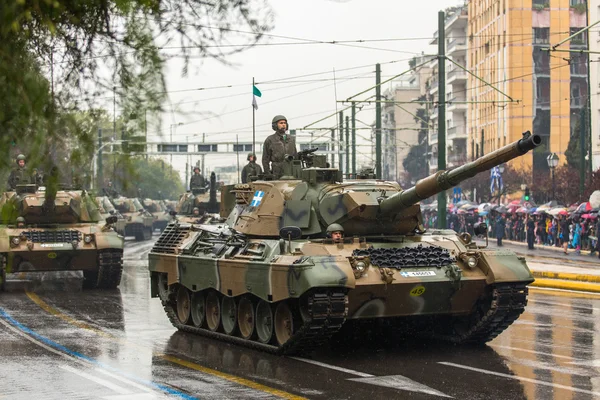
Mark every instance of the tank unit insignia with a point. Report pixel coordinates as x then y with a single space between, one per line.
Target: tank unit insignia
258 196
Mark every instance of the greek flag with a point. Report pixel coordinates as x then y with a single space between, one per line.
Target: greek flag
258 195
496 179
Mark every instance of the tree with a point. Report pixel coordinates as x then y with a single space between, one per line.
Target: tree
59 57
573 152
415 163
154 178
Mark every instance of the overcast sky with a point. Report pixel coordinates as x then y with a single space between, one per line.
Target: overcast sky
302 99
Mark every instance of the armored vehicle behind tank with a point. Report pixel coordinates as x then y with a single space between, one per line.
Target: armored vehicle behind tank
203 199
59 231
138 221
107 209
160 212
272 279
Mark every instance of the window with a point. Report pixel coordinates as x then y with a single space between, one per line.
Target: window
204 148
579 39
541 35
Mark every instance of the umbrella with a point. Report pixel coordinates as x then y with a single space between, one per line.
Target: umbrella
555 211
483 213
584 207
484 207
550 204
563 212
501 210
531 210
462 203
521 210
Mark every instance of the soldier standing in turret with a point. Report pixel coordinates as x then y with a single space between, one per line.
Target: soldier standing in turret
277 146
197 180
18 176
251 169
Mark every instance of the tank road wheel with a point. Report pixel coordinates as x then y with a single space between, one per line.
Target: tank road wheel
246 317
264 321
229 315
213 311
284 323
183 304
198 309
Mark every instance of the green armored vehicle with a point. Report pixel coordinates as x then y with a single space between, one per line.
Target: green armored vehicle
107 209
159 211
138 221
271 278
202 199
59 231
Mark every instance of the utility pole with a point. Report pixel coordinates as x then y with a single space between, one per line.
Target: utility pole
203 155
341 137
354 139
347 146
100 168
442 114
378 170
333 148
582 142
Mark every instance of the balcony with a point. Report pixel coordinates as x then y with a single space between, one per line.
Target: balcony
433 113
456 104
457 47
433 86
433 138
456 132
456 76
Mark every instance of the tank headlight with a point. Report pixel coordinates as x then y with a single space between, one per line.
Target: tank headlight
360 266
472 262
15 241
88 239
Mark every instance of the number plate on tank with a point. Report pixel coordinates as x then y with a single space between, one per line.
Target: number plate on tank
52 245
407 274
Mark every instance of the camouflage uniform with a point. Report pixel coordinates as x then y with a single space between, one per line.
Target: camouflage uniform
275 148
197 182
19 176
251 169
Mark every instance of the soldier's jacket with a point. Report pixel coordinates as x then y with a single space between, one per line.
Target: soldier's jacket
251 169
197 181
275 148
19 176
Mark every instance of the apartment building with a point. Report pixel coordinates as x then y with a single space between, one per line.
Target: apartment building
529 87
456 92
594 46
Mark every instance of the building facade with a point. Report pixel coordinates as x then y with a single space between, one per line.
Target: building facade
594 45
530 88
456 92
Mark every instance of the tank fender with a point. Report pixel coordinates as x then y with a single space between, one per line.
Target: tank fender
321 271
504 266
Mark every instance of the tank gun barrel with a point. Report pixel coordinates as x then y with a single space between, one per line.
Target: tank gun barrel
446 179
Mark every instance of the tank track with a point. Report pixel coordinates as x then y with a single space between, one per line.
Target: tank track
327 312
110 269
506 303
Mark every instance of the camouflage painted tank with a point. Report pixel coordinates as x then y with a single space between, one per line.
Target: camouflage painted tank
204 200
159 210
60 231
270 278
107 209
138 221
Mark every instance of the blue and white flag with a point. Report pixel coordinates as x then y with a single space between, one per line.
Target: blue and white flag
258 195
496 179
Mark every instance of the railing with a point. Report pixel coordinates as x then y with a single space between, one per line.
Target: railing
457 42
457 72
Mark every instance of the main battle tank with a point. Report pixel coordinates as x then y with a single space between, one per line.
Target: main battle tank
138 221
59 230
271 279
159 210
107 209
205 199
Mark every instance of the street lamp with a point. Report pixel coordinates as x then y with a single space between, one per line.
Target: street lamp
552 161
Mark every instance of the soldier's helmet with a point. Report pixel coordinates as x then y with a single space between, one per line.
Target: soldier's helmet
251 155
278 118
20 220
20 157
334 228
196 168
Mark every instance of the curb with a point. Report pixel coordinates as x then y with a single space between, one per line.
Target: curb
566 285
550 248
566 276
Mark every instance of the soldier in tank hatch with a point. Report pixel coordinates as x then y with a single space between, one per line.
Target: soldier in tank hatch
251 169
277 146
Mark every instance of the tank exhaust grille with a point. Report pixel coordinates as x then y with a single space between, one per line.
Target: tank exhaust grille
52 236
171 238
406 257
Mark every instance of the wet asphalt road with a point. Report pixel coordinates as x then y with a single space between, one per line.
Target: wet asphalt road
120 345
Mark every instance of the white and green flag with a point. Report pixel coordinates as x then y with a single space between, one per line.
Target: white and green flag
255 93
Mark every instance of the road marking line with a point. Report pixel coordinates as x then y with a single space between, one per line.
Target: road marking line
399 382
520 378
231 378
530 351
553 303
334 367
133 396
122 379
99 381
56 348
188 364
587 363
564 292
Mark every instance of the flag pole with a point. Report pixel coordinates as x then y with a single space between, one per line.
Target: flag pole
253 122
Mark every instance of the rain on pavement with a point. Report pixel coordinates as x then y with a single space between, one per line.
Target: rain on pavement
119 345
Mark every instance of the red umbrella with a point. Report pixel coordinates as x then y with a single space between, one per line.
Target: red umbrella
583 207
563 212
589 216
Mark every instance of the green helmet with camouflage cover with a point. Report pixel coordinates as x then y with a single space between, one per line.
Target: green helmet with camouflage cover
278 118
334 228
20 157
251 155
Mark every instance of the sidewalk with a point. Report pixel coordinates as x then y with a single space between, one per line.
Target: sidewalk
554 269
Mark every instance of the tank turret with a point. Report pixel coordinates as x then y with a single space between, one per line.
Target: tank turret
312 196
